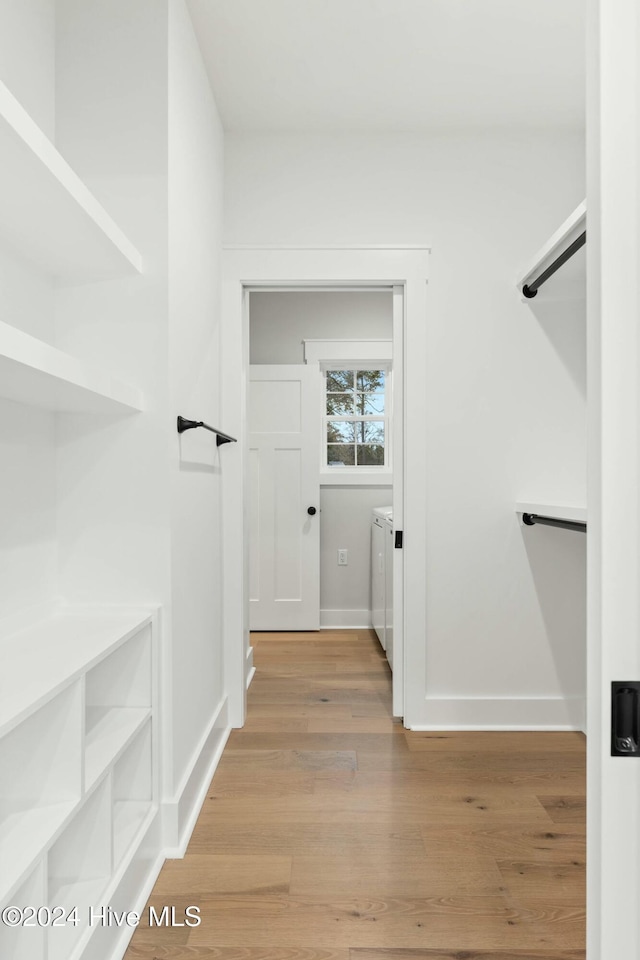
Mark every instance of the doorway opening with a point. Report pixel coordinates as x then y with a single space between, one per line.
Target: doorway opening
402 272
322 463
321 458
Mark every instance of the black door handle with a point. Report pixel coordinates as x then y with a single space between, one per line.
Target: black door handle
311 511
625 719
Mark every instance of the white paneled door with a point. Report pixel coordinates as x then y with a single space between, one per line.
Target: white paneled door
284 456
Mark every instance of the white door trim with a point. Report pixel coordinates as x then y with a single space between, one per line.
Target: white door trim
613 565
397 429
294 268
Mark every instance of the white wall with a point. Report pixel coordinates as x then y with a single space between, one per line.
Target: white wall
28 553
115 509
139 508
345 522
27 56
195 231
279 322
505 389
113 472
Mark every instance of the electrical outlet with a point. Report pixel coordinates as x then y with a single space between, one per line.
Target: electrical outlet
343 558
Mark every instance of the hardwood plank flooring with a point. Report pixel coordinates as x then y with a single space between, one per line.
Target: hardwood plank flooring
331 833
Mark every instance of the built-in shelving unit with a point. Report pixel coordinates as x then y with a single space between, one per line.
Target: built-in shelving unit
50 218
569 282
79 705
47 214
558 271
553 524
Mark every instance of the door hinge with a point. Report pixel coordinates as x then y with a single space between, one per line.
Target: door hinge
398 543
625 718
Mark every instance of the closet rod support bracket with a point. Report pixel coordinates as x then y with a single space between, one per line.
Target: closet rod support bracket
183 424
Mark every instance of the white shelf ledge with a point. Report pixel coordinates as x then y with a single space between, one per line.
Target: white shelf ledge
35 373
559 511
571 277
109 731
43 658
47 214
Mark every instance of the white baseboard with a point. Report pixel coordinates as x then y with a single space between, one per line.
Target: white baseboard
502 714
349 619
179 814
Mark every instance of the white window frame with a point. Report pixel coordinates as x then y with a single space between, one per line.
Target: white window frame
365 475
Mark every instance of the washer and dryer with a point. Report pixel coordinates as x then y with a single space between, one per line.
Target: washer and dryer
382 577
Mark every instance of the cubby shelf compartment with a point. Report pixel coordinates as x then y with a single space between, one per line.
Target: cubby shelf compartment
117 704
132 793
25 943
558 511
40 762
46 656
47 214
130 819
79 792
109 731
40 375
570 280
79 870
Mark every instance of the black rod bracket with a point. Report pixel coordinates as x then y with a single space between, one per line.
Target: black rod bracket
183 424
529 290
529 519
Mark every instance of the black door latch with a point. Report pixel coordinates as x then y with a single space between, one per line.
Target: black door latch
625 718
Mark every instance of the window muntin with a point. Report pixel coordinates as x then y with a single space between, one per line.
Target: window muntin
356 418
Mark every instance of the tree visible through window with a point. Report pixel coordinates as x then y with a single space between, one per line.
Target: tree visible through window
356 418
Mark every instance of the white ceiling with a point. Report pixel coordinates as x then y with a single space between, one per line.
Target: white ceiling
385 65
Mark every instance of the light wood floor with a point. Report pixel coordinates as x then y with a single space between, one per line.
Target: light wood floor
331 833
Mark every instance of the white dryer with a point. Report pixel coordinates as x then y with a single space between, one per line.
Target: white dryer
388 589
380 525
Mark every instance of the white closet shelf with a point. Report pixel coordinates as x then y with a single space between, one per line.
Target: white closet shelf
572 273
109 731
35 373
47 214
43 658
559 511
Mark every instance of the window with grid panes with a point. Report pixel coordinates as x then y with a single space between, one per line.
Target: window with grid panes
356 418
